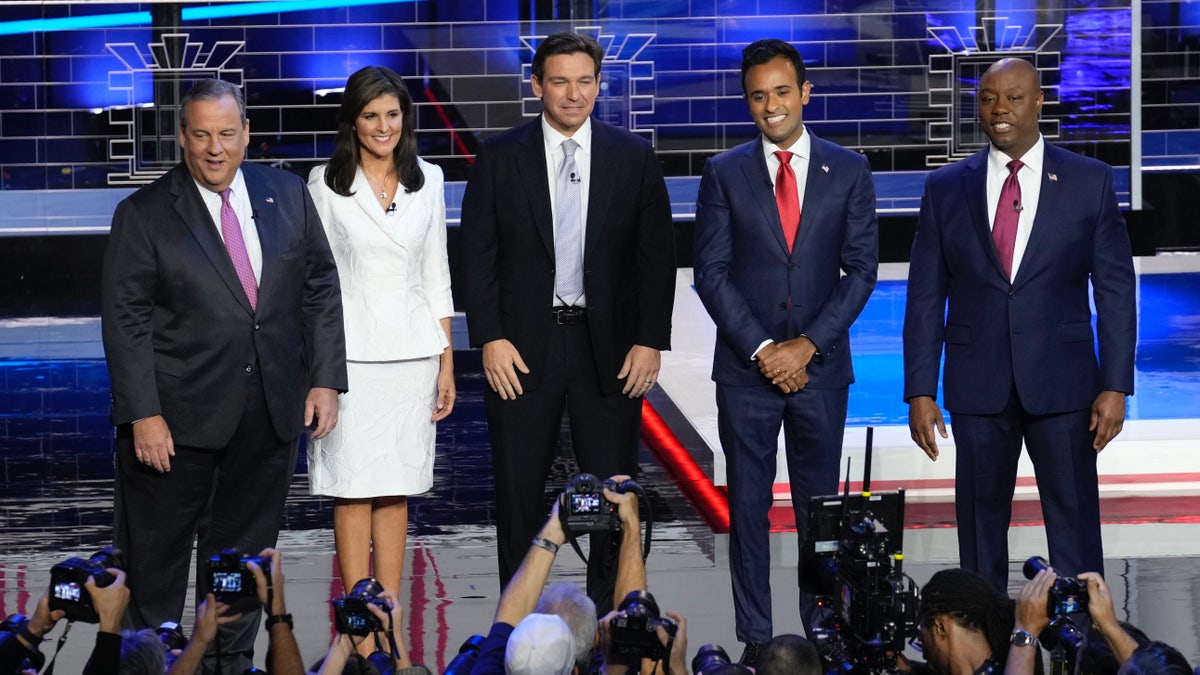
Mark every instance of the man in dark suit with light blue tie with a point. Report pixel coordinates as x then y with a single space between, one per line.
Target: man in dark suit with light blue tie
222 323
569 285
1006 245
786 254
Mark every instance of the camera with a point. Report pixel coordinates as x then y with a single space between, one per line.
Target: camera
229 577
709 658
852 560
68 579
171 635
352 614
634 628
584 507
465 660
1068 595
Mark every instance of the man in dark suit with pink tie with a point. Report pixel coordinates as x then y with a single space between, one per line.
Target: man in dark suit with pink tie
786 253
222 325
1006 245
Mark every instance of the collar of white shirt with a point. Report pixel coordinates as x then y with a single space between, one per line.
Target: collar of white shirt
802 148
1033 159
554 138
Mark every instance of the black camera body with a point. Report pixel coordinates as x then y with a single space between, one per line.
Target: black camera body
351 612
68 578
230 578
584 508
1066 598
1068 595
467 653
634 628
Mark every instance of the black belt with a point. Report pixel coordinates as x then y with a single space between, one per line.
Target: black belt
568 316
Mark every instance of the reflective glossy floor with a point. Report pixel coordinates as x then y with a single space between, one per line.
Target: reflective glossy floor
56 486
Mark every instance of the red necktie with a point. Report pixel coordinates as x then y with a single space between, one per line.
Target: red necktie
231 231
1008 213
786 198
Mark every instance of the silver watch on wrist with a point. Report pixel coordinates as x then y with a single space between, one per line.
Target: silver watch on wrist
1022 638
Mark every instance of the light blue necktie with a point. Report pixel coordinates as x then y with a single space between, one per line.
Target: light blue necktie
568 229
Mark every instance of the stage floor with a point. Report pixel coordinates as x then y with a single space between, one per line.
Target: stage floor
56 486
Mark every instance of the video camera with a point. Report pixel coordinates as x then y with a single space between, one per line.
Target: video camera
352 614
230 578
68 578
634 628
852 560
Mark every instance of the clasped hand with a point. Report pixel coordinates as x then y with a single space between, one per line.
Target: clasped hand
785 364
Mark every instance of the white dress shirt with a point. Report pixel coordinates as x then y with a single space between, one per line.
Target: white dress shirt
240 201
552 140
1030 179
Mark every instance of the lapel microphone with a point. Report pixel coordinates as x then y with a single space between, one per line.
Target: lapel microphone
391 209
1017 206
254 214
575 179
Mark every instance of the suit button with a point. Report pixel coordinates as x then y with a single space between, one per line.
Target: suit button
782 306
1012 295
249 369
791 266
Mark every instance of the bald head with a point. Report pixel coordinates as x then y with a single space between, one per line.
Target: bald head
1010 102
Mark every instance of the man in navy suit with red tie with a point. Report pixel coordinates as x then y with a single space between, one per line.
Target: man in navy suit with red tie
786 253
1008 239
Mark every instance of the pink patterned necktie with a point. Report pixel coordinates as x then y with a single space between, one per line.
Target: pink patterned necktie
231 231
1008 214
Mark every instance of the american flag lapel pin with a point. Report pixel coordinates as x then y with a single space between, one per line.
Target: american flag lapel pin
270 200
1053 178
825 168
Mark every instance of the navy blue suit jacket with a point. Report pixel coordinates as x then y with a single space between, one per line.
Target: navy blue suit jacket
1035 333
755 290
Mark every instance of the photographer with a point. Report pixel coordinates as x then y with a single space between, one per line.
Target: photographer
521 596
209 615
1032 617
343 649
965 624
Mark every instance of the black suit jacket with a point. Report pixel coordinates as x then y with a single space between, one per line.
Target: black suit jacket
629 249
179 335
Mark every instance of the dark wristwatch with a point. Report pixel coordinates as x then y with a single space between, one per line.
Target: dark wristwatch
1022 638
277 619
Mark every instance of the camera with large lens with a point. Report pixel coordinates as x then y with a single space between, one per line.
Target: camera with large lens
170 633
584 508
1068 595
352 614
230 578
709 658
634 628
68 578
467 653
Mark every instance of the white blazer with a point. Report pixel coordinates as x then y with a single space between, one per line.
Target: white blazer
393 268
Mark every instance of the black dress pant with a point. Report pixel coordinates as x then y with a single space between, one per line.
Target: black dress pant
219 498
525 433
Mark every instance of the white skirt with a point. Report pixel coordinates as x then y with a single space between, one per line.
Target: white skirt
383 443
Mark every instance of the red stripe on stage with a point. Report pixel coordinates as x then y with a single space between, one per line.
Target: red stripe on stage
709 501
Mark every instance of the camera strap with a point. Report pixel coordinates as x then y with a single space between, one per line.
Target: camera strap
62 639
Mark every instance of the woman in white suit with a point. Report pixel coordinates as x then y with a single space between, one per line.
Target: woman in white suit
385 216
